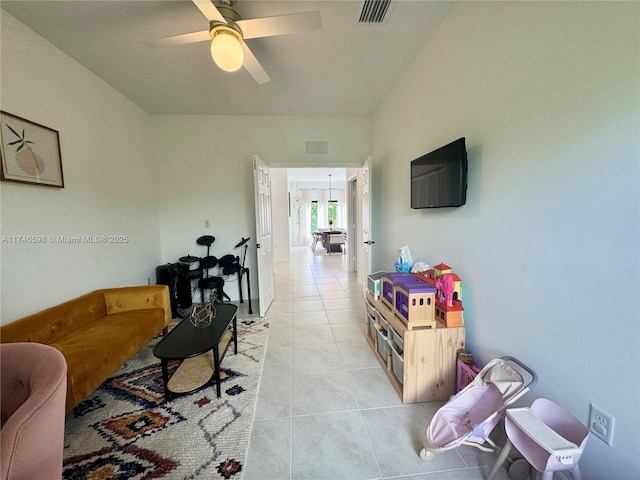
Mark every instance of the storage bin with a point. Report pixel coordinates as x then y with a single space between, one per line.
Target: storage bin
383 346
395 339
382 321
397 365
371 310
373 283
373 327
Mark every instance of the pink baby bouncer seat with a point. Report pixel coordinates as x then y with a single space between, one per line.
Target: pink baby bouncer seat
469 416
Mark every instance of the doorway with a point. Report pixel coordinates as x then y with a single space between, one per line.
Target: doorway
290 226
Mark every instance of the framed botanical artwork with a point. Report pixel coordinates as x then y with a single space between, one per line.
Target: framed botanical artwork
30 152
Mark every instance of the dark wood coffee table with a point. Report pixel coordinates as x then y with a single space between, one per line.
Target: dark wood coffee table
201 350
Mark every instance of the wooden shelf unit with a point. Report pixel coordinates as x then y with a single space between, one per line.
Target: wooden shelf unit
429 371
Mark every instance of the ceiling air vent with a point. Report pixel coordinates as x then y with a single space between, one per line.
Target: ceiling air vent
316 148
374 11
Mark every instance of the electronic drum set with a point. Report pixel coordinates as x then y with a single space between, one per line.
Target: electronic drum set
191 273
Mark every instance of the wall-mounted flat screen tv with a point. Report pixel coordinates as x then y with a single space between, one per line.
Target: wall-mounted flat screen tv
439 178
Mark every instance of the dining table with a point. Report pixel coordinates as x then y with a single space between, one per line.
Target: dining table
325 232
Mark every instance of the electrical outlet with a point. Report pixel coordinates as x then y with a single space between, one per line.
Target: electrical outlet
601 424
207 224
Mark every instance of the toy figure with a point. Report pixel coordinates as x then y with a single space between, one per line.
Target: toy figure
445 287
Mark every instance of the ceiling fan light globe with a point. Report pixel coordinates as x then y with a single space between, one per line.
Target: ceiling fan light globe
227 51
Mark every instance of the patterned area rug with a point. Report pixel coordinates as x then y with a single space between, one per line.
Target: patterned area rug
125 430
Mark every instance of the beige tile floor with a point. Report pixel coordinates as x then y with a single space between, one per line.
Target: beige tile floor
325 408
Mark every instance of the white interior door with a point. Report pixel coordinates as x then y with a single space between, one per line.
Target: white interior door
353 251
366 218
262 187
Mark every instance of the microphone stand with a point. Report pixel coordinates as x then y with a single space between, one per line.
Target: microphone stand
244 270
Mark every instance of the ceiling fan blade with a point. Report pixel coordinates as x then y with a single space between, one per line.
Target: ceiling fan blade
209 10
280 24
182 39
253 66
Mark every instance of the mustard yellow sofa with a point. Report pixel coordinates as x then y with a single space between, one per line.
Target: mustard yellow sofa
97 332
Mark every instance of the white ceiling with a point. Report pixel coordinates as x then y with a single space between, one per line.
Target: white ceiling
345 69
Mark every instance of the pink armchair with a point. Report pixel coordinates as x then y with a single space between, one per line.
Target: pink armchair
33 379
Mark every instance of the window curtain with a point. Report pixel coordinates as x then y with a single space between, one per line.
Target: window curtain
322 215
306 232
307 197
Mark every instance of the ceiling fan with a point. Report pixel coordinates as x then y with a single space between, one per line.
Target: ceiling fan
228 32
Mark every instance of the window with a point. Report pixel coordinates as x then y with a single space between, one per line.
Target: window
332 215
332 212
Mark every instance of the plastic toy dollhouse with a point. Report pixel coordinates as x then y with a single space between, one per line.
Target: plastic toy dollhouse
448 307
422 299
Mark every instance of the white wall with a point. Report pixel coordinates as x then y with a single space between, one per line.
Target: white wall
204 167
297 208
547 96
109 185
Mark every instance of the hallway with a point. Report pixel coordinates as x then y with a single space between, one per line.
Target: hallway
325 408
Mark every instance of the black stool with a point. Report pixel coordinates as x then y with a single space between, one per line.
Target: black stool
210 283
